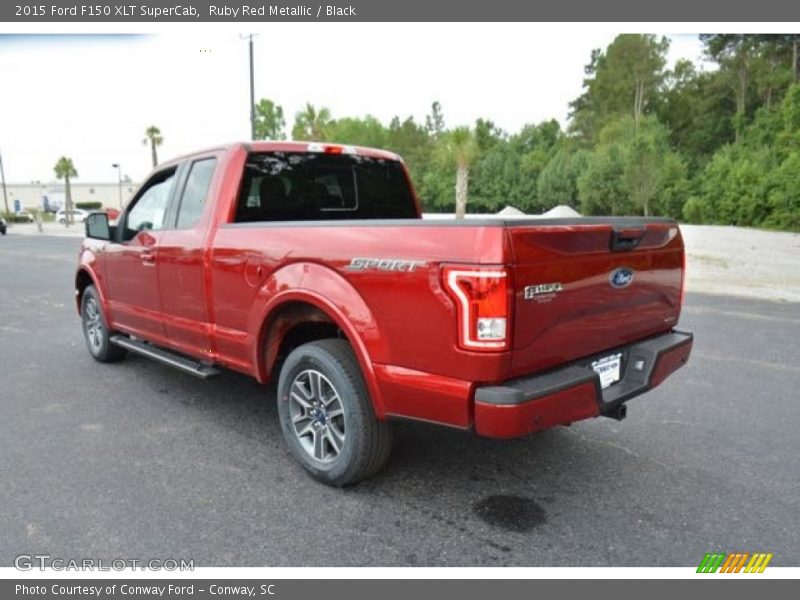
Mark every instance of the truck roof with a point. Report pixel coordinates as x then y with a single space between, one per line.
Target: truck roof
272 146
290 146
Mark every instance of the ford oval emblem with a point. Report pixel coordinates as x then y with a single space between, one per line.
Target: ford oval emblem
621 277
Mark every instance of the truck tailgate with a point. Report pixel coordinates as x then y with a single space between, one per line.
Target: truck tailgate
586 286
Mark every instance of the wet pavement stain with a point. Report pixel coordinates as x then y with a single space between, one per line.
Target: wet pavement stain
512 513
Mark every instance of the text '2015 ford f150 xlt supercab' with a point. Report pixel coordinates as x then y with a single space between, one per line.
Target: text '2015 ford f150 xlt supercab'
311 263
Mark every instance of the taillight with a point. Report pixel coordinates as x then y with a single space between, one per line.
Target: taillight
482 300
683 279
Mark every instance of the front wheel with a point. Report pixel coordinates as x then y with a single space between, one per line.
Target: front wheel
95 329
326 414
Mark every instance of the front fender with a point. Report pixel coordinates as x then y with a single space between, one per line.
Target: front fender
331 293
89 267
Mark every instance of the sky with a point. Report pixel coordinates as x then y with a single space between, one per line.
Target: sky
91 97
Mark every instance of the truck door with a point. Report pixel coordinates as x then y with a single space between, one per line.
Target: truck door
131 262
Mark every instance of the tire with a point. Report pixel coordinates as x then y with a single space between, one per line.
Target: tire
62 221
95 329
343 416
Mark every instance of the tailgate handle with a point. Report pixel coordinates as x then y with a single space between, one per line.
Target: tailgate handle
626 239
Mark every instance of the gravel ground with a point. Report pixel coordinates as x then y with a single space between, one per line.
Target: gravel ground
737 261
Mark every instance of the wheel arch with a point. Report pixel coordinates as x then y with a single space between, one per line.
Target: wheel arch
83 279
321 304
290 324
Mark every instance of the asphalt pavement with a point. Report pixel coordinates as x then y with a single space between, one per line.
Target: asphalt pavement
136 460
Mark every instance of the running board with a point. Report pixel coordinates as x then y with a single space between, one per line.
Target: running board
182 363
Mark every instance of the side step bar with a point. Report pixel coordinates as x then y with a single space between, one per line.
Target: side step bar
182 363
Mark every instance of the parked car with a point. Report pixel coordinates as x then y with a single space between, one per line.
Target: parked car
23 216
78 216
310 263
3 226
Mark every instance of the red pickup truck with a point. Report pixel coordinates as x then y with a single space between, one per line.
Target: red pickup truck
311 263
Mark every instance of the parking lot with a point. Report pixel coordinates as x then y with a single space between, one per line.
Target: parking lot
137 460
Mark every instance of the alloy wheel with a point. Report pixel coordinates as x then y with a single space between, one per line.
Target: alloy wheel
317 415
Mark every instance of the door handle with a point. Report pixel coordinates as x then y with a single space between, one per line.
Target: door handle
626 239
148 258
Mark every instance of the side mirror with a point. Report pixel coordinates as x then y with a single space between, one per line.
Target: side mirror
97 226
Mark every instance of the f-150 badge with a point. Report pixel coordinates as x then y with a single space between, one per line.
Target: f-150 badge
542 292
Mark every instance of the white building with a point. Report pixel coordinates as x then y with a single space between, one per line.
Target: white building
32 195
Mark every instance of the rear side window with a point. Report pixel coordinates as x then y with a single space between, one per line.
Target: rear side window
195 192
299 186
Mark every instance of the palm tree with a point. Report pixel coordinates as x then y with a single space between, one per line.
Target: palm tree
461 147
154 138
311 124
65 170
269 121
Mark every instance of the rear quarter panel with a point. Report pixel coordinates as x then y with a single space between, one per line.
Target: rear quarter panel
403 319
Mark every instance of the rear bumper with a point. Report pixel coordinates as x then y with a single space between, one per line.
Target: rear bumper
571 393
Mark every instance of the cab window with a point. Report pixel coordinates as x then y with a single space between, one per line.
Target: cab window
150 208
311 186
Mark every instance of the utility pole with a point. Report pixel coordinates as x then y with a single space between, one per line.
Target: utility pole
252 94
118 167
252 88
3 179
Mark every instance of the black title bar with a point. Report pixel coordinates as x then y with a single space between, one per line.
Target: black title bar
254 11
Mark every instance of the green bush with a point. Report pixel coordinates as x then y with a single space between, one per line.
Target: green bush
787 221
89 205
694 210
14 218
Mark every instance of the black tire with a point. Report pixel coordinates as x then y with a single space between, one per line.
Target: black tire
95 330
367 442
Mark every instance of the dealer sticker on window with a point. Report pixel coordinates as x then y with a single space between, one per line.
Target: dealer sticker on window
608 368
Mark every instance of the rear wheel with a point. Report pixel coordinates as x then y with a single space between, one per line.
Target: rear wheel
326 414
95 329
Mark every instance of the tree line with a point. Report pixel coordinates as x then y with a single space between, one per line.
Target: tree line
718 144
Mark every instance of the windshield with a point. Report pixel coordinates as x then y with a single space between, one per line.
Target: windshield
296 186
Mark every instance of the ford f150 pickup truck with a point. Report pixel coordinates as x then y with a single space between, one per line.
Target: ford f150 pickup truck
310 263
